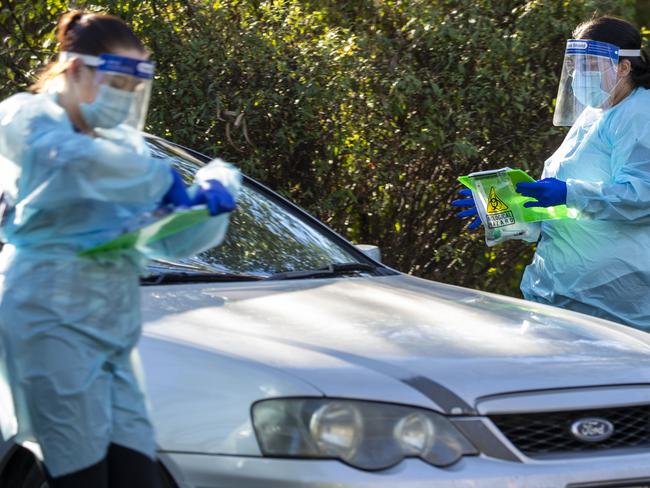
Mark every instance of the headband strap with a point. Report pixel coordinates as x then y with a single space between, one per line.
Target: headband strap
629 53
111 63
65 56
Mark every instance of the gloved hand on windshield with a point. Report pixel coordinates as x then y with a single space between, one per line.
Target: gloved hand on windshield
177 193
471 210
217 198
548 192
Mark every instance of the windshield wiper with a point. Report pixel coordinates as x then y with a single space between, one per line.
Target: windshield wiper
334 269
213 277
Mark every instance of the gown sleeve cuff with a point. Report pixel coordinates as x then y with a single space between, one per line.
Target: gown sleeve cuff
583 196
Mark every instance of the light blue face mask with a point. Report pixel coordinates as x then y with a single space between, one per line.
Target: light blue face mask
587 88
111 107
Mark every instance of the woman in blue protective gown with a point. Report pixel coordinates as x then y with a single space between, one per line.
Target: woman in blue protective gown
73 169
599 262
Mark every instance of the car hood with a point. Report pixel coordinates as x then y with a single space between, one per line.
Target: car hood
353 337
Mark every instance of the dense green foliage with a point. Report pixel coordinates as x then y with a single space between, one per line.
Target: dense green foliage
364 112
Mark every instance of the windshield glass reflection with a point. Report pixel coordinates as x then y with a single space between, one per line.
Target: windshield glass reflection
263 238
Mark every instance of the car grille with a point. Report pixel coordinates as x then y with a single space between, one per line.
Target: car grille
550 432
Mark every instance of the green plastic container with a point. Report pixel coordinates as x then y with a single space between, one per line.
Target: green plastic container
166 226
486 181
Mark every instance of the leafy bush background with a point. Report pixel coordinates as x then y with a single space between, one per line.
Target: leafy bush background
363 112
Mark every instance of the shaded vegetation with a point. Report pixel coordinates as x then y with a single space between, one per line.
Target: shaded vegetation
363 112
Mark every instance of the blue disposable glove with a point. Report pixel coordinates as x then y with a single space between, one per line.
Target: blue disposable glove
177 193
217 198
471 211
548 192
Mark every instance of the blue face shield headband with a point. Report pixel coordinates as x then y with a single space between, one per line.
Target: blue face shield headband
123 90
589 78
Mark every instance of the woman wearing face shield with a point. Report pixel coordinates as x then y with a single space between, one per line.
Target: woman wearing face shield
599 262
74 168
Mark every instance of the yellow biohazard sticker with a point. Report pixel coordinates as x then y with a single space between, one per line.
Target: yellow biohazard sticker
494 203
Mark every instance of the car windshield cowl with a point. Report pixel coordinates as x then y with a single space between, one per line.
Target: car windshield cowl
171 278
333 269
329 271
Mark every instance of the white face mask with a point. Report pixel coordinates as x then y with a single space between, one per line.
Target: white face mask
111 107
587 88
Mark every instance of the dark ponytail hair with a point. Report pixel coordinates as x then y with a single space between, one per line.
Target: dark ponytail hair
623 34
88 33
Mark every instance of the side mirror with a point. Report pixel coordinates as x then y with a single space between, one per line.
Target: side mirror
372 251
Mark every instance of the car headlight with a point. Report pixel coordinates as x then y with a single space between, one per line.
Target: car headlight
366 435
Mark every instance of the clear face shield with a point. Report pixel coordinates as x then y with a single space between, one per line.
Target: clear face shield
124 90
589 78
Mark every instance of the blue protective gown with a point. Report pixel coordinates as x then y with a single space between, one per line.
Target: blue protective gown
599 264
68 324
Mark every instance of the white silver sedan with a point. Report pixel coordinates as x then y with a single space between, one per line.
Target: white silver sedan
288 357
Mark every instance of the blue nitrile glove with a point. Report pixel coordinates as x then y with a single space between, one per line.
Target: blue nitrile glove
177 193
548 192
213 194
471 211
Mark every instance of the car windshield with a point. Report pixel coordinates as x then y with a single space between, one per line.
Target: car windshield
265 237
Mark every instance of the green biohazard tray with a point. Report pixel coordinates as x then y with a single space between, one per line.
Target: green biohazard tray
534 214
168 225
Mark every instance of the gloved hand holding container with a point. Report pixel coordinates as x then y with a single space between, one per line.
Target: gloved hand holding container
507 213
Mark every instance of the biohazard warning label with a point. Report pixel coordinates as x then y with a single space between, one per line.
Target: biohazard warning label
500 220
498 214
495 204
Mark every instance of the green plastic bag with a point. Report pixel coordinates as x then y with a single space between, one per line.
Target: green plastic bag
165 226
502 209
